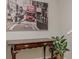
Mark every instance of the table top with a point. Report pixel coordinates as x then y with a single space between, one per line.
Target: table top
23 41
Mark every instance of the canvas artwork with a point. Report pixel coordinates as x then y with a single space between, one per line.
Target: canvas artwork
26 15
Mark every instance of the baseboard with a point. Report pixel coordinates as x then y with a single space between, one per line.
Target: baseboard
42 58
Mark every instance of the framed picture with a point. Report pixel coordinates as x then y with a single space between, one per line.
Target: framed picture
26 15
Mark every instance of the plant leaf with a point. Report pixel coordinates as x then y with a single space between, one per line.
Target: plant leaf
57 38
67 49
65 45
53 37
63 40
62 37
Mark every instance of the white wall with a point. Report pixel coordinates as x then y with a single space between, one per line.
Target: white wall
65 15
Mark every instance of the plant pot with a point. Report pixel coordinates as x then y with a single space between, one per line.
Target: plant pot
59 57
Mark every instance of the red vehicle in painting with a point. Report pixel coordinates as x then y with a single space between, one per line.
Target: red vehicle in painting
30 13
29 18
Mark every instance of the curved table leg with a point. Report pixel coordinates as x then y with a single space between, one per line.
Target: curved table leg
44 52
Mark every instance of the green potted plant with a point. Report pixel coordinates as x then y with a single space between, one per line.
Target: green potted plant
59 47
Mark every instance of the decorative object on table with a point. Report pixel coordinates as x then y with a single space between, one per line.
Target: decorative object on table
26 15
59 47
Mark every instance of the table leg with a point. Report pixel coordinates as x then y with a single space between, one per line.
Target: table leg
44 52
12 53
52 55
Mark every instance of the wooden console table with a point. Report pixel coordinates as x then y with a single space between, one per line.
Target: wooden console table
17 45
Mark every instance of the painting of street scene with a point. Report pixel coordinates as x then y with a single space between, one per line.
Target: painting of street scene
26 15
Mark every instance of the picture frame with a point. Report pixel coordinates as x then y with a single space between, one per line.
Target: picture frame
26 15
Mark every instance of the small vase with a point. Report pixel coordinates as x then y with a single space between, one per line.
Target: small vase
59 56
